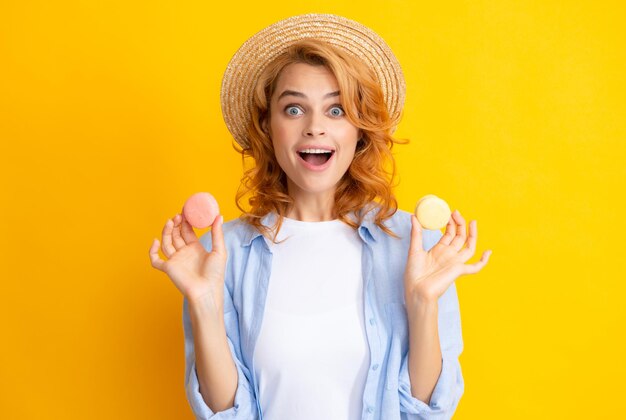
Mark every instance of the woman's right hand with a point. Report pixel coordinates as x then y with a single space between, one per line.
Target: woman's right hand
195 272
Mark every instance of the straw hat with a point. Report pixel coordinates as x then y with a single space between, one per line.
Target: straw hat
258 51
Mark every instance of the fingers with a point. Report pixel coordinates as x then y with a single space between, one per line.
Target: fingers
447 238
471 239
217 236
166 246
177 233
416 245
187 231
155 259
476 267
459 238
177 239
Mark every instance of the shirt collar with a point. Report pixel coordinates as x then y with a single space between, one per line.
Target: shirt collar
368 230
252 233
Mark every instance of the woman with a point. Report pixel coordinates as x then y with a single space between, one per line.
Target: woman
323 301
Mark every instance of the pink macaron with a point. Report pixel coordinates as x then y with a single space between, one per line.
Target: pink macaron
200 210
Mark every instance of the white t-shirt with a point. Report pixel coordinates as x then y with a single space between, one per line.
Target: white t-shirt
311 357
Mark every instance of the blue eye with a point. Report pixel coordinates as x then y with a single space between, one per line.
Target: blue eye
292 110
336 111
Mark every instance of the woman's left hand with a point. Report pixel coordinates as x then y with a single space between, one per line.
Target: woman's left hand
428 274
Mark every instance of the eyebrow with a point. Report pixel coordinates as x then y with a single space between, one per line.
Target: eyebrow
302 95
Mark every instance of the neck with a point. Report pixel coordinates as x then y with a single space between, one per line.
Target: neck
312 207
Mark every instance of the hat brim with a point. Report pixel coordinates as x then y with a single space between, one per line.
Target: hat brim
257 52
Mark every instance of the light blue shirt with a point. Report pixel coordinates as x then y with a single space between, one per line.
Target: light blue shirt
387 391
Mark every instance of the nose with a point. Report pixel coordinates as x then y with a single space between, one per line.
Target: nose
314 126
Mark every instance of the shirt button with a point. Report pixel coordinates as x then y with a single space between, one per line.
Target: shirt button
370 409
375 366
372 321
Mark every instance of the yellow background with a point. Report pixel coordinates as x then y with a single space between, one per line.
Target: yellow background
110 119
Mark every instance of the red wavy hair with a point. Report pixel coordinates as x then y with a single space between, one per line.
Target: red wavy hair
368 183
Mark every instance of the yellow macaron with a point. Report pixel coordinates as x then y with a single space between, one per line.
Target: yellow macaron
432 212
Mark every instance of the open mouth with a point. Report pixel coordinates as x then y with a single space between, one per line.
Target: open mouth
316 157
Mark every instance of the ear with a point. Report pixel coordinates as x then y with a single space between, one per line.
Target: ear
265 127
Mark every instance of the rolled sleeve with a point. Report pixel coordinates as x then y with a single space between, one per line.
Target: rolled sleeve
450 385
245 406
445 397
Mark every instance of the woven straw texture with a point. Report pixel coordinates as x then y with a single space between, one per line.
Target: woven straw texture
250 60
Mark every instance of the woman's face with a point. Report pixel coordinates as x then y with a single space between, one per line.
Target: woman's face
313 140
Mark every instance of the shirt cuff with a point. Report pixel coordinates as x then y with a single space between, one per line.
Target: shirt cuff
445 397
244 407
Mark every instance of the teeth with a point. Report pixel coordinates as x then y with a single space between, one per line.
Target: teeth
315 151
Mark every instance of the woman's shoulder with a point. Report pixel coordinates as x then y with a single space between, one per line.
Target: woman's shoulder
400 220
